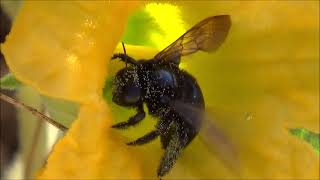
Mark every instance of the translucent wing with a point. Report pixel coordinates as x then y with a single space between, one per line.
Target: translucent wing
207 36
212 136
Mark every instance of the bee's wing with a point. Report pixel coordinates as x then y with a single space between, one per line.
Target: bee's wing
217 141
207 36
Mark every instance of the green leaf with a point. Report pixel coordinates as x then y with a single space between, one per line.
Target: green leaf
9 82
28 125
107 95
308 136
62 111
140 27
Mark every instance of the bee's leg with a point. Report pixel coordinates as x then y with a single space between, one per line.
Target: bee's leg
165 139
176 143
165 131
145 139
161 129
132 120
125 58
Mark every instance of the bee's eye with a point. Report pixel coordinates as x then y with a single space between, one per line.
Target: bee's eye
127 95
131 94
127 90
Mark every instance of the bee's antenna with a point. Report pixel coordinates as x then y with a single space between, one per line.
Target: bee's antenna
125 52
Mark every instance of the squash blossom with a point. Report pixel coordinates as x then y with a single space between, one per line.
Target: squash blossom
260 83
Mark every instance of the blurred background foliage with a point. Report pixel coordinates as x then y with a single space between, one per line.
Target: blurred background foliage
262 83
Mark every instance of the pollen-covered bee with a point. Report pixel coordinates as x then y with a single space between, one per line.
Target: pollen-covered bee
170 93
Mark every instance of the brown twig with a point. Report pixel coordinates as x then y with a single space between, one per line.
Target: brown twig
33 111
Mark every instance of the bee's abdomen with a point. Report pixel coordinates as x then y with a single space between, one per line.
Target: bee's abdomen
189 91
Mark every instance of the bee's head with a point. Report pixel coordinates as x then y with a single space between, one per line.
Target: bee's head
126 87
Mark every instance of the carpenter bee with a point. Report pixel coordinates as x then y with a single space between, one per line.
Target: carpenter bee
171 94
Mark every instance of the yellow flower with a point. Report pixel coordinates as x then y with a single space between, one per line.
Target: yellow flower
82 37
266 70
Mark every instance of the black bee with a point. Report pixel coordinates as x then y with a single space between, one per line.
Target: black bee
162 85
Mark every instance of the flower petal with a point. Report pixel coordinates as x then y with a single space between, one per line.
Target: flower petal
267 69
90 151
62 49
261 82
